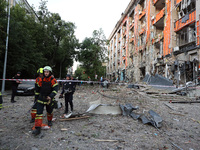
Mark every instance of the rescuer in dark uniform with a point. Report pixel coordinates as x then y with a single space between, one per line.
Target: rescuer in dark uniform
1 101
68 89
34 108
15 85
47 88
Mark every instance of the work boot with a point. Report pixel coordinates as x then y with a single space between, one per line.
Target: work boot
32 120
37 131
13 101
50 123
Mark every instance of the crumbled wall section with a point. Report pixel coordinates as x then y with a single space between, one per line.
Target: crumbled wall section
166 43
148 23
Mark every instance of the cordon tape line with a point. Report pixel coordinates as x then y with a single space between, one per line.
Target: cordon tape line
98 82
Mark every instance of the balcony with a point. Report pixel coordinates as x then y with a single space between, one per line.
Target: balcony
177 1
124 46
142 31
142 13
158 38
131 25
141 48
184 21
159 19
118 62
131 40
118 50
198 33
124 34
159 4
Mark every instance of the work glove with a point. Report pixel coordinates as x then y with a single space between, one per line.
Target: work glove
49 100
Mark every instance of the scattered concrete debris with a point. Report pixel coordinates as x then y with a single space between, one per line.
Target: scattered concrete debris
154 119
195 120
133 86
103 140
127 109
67 115
168 106
104 109
184 102
157 80
176 114
64 129
77 118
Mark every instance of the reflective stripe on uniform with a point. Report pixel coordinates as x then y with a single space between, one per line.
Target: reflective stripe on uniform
39 116
34 111
55 92
55 84
37 93
42 102
38 84
0 105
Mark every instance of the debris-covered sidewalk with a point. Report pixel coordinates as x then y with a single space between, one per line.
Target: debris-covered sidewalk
91 129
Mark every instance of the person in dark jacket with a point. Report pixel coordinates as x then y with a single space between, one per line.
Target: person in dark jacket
47 87
15 85
68 89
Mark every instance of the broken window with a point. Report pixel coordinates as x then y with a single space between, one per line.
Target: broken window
185 7
186 35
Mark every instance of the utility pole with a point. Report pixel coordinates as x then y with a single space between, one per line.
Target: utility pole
6 52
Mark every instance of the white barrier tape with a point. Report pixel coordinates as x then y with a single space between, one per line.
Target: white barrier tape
19 79
98 82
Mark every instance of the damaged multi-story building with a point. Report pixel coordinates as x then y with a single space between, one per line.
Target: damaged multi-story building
156 37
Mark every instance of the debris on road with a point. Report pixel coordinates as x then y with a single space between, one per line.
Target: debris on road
76 118
104 109
184 102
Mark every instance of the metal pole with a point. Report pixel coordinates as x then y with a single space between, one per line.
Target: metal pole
6 52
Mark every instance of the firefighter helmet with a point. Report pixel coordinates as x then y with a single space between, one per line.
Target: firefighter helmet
47 68
40 71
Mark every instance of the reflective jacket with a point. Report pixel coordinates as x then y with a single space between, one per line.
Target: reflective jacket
46 86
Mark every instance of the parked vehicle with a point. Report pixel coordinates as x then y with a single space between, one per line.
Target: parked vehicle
27 88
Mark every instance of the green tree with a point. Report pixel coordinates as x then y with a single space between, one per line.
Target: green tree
59 41
92 54
36 41
3 26
23 54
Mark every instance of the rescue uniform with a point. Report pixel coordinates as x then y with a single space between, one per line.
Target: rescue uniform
1 101
68 89
46 86
34 108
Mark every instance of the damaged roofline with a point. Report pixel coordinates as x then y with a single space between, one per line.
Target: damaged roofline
131 3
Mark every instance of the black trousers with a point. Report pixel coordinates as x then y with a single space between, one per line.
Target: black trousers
68 99
35 105
40 108
14 92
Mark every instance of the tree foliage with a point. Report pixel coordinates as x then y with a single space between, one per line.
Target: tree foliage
36 41
92 54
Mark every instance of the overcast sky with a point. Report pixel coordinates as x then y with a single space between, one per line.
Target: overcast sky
88 15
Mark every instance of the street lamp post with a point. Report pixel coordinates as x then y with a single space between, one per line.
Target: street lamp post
6 52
